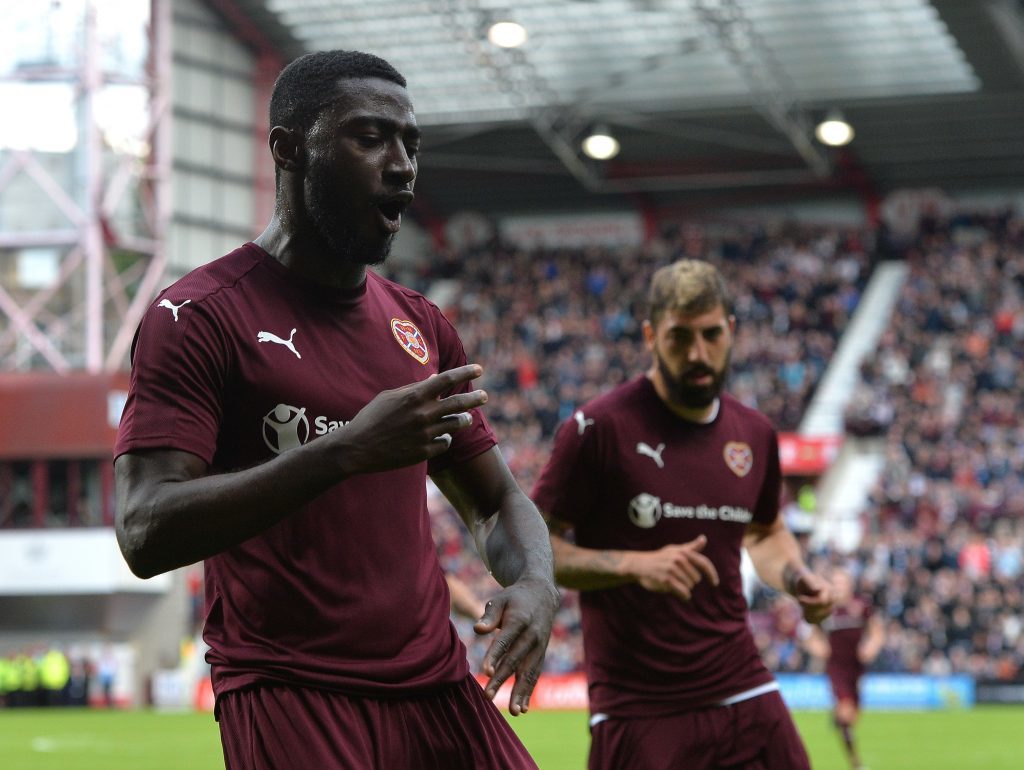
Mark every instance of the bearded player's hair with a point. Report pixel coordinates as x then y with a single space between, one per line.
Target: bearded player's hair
688 286
310 83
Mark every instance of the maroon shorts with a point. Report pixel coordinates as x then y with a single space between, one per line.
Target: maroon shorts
278 727
754 734
845 684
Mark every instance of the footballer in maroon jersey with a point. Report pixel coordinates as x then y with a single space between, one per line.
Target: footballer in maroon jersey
849 640
286 406
663 481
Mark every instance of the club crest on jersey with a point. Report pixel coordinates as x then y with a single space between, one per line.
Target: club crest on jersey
739 457
411 339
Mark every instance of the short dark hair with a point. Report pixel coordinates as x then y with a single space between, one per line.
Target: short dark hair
309 83
689 286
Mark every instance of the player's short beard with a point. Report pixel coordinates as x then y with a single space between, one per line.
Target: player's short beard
335 224
684 394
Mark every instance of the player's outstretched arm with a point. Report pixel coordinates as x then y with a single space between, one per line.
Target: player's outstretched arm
817 643
779 563
170 512
675 568
871 644
512 540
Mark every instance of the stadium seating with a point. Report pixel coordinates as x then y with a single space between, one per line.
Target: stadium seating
943 555
557 327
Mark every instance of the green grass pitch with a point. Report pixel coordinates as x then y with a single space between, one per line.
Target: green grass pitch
984 738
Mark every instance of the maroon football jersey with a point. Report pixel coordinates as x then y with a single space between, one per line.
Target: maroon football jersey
845 628
241 360
630 474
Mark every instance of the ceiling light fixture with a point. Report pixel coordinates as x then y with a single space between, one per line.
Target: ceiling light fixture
507 34
601 145
834 130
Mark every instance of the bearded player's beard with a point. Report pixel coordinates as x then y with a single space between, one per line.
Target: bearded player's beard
688 395
335 224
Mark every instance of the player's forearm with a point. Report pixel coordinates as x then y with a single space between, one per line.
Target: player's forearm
514 542
817 644
587 569
509 533
168 520
872 644
777 559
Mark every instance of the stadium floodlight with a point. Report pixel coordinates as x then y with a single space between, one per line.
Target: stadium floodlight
507 34
601 145
834 130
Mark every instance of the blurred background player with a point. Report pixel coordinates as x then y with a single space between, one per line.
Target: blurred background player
849 640
664 480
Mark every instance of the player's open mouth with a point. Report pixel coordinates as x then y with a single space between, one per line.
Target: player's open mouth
390 211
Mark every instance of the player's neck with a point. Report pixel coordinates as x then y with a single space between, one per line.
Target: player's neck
702 414
307 260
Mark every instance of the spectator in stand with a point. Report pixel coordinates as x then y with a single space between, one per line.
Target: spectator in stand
976 558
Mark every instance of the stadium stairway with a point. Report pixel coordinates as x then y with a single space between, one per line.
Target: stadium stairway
843 491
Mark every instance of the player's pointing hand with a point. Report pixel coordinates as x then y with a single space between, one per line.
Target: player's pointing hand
410 424
675 568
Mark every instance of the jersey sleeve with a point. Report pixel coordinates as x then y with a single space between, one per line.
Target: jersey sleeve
179 366
478 437
568 485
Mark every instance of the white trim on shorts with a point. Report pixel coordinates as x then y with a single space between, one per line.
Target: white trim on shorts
739 697
753 692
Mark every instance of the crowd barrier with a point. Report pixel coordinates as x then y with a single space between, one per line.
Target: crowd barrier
999 692
882 691
800 691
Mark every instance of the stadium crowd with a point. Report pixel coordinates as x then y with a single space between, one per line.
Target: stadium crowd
942 557
557 327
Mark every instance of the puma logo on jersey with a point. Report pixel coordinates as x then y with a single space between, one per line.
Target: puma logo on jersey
271 337
654 454
581 422
172 307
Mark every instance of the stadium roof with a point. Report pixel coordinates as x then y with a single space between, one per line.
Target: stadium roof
710 99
